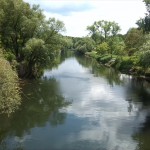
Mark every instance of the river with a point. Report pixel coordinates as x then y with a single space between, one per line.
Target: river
80 105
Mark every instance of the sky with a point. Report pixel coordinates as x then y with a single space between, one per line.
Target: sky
78 14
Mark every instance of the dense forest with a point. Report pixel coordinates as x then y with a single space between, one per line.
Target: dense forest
29 43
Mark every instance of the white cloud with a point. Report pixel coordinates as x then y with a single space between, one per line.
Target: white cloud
78 14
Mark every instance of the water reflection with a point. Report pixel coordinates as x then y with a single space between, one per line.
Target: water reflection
102 105
109 110
111 102
143 135
137 93
41 105
112 76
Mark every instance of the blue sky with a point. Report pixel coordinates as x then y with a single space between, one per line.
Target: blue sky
78 14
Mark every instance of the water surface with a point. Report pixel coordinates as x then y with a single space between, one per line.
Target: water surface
80 105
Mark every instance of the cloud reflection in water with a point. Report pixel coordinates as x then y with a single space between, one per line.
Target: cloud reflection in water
109 122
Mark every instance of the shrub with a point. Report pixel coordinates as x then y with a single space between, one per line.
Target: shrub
92 54
103 48
104 59
147 72
125 64
145 59
9 88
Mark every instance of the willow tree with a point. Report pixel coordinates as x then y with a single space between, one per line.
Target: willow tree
19 25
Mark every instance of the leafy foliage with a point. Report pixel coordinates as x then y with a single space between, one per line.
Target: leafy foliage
9 87
103 48
145 54
103 29
116 45
84 45
25 34
134 38
144 23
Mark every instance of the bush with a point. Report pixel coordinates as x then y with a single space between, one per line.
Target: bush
125 64
145 59
9 88
147 72
137 70
105 58
145 54
92 54
10 56
103 48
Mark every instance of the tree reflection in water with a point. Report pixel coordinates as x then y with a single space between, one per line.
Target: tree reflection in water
137 93
143 135
41 104
111 75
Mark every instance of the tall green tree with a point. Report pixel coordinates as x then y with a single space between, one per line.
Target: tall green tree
19 23
84 45
23 30
117 45
144 23
133 40
103 29
94 33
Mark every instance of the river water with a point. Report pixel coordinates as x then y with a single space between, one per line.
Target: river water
80 105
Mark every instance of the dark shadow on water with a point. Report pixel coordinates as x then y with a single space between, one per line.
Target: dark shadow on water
111 75
142 136
138 91
41 105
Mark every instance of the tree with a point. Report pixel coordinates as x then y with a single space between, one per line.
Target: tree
95 35
144 23
20 25
84 45
67 43
103 29
145 53
117 45
133 40
35 56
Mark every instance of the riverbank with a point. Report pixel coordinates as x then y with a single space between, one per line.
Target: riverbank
10 98
124 64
